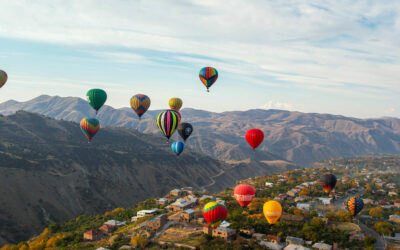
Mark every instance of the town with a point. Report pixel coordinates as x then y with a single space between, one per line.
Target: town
311 219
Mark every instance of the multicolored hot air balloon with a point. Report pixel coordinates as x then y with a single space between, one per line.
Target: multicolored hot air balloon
177 147
208 76
175 103
354 205
328 182
167 122
140 104
89 127
3 78
254 137
185 130
272 211
96 98
214 213
244 194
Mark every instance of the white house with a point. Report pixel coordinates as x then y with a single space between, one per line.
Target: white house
271 245
303 206
325 201
269 184
115 223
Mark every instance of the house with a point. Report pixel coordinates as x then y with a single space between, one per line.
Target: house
322 246
103 248
325 201
125 247
258 236
224 224
396 203
297 199
393 242
294 241
115 223
247 230
187 215
391 185
296 247
271 245
157 222
356 235
269 184
304 206
220 201
162 201
204 197
147 212
274 239
181 204
383 203
224 233
107 229
175 192
391 193
292 193
368 201
207 229
394 218
93 235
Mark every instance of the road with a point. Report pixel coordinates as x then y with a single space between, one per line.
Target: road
203 188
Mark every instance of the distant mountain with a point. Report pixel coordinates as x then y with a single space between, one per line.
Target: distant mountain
293 136
48 171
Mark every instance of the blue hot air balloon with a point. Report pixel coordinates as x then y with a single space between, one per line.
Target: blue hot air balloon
177 147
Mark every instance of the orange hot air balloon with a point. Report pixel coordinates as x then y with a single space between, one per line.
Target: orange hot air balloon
272 211
244 194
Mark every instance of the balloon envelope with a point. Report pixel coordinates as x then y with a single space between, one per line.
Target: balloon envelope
177 147
3 78
254 137
167 122
96 98
328 182
140 104
89 127
214 213
272 211
354 205
185 130
244 194
175 103
208 76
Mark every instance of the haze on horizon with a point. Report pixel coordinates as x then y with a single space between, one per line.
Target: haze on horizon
339 57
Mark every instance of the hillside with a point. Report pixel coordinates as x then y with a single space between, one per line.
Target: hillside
48 172
293 136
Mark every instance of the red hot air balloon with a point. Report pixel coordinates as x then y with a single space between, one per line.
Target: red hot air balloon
244 194
254 137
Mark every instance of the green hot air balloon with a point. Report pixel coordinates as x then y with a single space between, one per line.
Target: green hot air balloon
96 98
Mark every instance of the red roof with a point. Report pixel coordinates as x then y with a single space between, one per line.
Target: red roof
106 227
396 201
93 232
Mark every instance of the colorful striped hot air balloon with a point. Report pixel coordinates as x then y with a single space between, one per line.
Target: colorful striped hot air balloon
214 213
96 98
177 147
175 103
254 137
244 194
140 104
354 205
328 182
3 78
208 76
89 127
167 122
272 211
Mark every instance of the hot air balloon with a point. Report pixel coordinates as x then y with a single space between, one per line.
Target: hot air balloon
140 104
96 98
175 103
177 147
254 137
208 76
167 122
89 127
185 130
244 194
3 78
272 211
328 182
354 205
214 213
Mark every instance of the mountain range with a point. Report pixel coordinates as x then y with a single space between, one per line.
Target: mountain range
301 138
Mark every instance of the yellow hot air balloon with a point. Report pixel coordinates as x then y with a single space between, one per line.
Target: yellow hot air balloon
175 103
272 211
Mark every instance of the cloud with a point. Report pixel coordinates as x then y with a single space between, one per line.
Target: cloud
277 105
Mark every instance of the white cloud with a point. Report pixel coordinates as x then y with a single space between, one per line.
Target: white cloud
277 105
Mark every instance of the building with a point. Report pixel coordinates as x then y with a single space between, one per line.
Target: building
274 239
207 229
107 229
162 201
181 204
147 212
356 235
175 192
297 199
271 245
394 218
187 215
156 222
393 242
303 206
258 236
93 235
269 184
322 246
115 223
224 233
396 203
296 247
294 241
247 231
325 201
204 197
368 201
391 193
292 193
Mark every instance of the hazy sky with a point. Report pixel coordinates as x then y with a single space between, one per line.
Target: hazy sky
340 57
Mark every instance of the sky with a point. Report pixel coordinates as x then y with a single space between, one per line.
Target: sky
338 57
